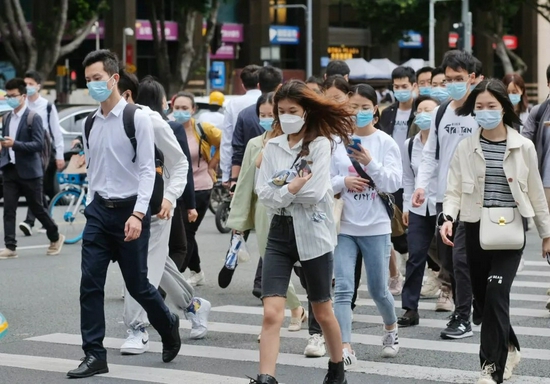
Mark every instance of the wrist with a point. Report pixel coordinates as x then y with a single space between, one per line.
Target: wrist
138 215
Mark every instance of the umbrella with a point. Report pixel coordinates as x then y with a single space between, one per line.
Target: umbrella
415 64
361 69
386 66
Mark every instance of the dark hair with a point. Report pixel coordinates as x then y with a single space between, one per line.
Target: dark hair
263 99
323 117
269 78
421 99
17 83
478 66
314 80
34 75
548 74
189 95
108 58
459 61
404 72
338 82
151 93
368 92
517 80
249 76
424 70
437 71
496 88
337 67
128 82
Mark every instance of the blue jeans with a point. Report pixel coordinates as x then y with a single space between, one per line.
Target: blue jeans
376 255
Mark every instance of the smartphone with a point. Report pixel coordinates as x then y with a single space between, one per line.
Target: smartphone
303 168
354 145
548 258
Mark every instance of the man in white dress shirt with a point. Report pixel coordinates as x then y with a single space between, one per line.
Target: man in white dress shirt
118 216
50 122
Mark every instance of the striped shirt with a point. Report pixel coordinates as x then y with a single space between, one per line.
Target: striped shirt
497 189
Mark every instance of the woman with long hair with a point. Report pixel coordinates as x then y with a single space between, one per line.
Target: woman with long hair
364 174
493 182
518 96
294 184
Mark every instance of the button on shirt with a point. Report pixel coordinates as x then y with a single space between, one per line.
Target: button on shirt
111 172
40 106
15 120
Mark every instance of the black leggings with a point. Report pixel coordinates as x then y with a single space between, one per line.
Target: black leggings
192 259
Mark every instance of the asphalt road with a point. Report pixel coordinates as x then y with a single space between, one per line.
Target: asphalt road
39 297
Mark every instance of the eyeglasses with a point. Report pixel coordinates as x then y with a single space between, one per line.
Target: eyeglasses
12 96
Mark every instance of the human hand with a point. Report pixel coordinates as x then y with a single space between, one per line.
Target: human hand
446 231
406 218
363 156
545 246
418 197
60 164
165 210
192 215
8 142
132 228
298 182
355 184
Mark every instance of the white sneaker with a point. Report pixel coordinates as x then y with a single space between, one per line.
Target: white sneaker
521 265
7 253
136 343
315 346
350 360
390 343
486 376
196 279
25 228
512 362
445 302
431 288
396 285
198 317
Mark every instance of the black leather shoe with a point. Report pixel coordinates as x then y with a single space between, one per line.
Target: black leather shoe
263 379
257 292
171 345
409 319
90 366
335 374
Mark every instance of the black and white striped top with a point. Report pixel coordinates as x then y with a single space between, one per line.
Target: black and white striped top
497 190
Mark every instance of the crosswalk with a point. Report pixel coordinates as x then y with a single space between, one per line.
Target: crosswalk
233 331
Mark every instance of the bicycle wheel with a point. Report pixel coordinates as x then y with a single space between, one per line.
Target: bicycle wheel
216 198
68 217
222 214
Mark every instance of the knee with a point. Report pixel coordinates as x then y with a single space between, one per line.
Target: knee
379 293
323 313
343 290
273 315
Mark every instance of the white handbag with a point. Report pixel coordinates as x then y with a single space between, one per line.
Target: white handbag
501 229
338 208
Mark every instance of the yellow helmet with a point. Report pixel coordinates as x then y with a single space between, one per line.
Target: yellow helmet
216 98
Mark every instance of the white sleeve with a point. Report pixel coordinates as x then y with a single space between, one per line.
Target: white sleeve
274 198
315 189
337 180
57 134
226 150
145 157
428 165
408 179
387 174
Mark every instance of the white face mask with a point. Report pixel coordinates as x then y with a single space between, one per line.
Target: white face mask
291 124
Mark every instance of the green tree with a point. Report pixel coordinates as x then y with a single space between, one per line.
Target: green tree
40 47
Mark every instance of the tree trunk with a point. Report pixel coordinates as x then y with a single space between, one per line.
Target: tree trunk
16 37
502 54
161 46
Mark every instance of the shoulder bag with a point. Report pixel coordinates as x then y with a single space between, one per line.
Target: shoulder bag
501 229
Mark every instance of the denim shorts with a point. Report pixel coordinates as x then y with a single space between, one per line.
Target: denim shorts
281 255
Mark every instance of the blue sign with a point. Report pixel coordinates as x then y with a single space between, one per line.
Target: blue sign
218 82
284 34
411 39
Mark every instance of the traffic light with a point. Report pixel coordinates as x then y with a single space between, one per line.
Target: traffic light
216 42
460 30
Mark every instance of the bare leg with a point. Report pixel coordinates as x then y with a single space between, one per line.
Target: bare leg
274 308
331 330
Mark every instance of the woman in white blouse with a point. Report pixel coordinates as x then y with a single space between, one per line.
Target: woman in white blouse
294 184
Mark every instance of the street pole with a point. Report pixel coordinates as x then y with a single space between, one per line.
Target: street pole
432 34
466 20
96 27
124 47
208 71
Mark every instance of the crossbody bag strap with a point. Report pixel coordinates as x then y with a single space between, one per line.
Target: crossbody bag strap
362 173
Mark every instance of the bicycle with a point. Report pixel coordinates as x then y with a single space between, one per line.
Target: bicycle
218 196
222 214
67 207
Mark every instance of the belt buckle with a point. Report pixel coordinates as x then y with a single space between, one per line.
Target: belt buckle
109 204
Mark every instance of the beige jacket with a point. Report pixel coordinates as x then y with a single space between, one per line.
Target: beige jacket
466 181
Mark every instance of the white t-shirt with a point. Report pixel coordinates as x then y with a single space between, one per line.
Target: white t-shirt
214 118
401 128
364 213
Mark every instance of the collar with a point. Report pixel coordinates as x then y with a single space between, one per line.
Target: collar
117 110
282 141
513 139
21 111
254 92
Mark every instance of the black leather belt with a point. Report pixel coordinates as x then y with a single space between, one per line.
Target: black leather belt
116 203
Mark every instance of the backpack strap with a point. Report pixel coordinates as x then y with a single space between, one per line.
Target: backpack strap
410 149
48 114
540 113
438 116
88 127
200 132
30 118
129 126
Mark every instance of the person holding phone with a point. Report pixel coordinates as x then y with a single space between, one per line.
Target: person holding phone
361 173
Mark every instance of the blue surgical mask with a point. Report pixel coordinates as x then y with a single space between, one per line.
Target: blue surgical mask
514 98
472 87
440 94
425 91
488 118
99 91
182 116
166 110
31 90
266 123
14 102
423 120
457 91
364 118
403 95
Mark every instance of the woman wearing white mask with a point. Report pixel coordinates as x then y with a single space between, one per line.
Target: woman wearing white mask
201 138
294 184
364 174
493 181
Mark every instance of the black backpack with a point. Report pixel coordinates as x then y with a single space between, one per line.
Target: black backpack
438 116
410 150
542 108
130 129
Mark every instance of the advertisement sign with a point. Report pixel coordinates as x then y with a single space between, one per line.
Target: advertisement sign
284 34
219 82
411 39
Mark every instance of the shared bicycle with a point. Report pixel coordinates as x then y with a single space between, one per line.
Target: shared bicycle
67 207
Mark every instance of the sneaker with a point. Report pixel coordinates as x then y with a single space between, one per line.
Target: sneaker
196 279
315 346
296 322
136 343
25 228
390 343
350 361
198 313
396 285
445 301
42 230
7 253
457 328
547 302
512 362
432 286
521 265
486 376
55 246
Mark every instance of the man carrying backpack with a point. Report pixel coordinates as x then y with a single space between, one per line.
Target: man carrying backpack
53 143
21 145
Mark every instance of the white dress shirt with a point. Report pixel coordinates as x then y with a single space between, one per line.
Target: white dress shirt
410 170
15 120
111 172
234 107
214 118
40 106
312 207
